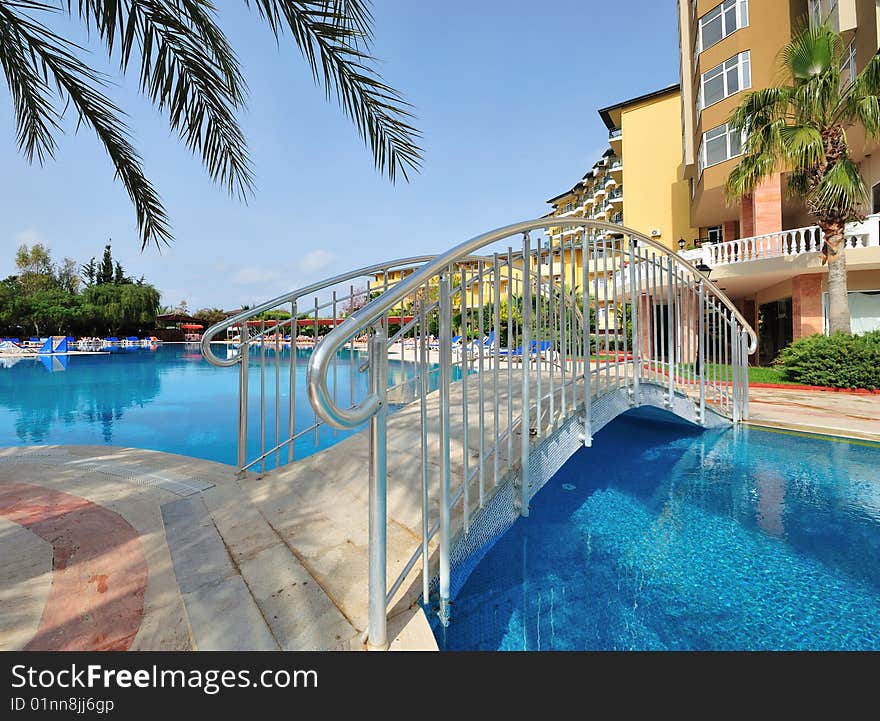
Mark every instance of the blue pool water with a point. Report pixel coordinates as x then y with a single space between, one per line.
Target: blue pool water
167 399
660 537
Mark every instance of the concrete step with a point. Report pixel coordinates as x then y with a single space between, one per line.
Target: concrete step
222 613
297 611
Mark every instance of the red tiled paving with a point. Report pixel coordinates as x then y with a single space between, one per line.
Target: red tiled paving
96 601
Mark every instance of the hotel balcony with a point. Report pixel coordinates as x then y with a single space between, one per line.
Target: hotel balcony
616 195
745 264
615 135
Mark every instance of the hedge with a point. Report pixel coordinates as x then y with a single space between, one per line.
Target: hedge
837 361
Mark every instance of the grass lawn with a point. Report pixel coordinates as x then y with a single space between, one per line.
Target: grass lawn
756 374
762 375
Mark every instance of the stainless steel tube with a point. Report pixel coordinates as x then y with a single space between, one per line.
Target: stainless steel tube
378 635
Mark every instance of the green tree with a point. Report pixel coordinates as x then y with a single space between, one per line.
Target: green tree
67 276
119 276
89 272
105 270
187 67
801 126
51 311
35 268
210 315
120 308
10 304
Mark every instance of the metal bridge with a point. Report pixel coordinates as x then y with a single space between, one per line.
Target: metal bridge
508 353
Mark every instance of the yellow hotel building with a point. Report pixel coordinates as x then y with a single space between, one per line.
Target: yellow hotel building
638 182
763 251
670 152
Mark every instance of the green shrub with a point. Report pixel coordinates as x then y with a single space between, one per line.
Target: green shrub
837 361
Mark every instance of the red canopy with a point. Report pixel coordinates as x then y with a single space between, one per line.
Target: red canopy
323 322
191 326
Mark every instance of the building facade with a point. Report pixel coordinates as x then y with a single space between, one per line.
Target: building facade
763 251
638 183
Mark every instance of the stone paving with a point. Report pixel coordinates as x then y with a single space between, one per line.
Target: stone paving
124 549
852 415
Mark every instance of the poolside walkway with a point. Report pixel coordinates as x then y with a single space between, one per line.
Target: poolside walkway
851 415
123 549
114 548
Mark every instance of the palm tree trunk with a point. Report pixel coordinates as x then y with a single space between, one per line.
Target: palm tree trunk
838 297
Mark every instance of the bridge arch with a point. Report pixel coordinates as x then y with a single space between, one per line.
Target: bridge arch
522 342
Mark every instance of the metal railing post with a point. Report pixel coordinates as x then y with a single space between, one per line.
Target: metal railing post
445 381
670 330
525 425
701 352
735 371
588 364
744 342
243 363
377 631
634 301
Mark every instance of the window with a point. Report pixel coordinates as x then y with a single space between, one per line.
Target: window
875 198
724 80
721 21
821 10
713 234
719 144
848 66
568 207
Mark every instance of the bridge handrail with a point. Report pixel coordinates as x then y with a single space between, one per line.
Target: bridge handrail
362 319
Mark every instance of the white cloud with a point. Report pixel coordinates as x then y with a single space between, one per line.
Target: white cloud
315 260
253 274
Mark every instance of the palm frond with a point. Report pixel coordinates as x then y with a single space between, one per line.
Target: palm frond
840 192
802 145
35 116
333 36
861 102
189 70
816 100
760 107
53 58
812 51
748 174
766 139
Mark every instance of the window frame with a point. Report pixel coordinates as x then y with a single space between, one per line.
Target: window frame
741 20
743 61
702 155
817 14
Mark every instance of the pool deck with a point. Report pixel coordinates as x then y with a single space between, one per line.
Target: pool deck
122 549
850 415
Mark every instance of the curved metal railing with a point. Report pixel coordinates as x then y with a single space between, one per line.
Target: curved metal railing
259 335
369 314
269 406
595 308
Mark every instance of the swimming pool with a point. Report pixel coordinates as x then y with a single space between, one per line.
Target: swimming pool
663 537
166 399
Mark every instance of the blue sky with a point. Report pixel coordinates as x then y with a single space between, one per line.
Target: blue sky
506 95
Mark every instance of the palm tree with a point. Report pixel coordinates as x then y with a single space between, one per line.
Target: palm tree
801 126
190 72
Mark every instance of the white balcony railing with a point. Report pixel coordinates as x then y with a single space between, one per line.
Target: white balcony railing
797 241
